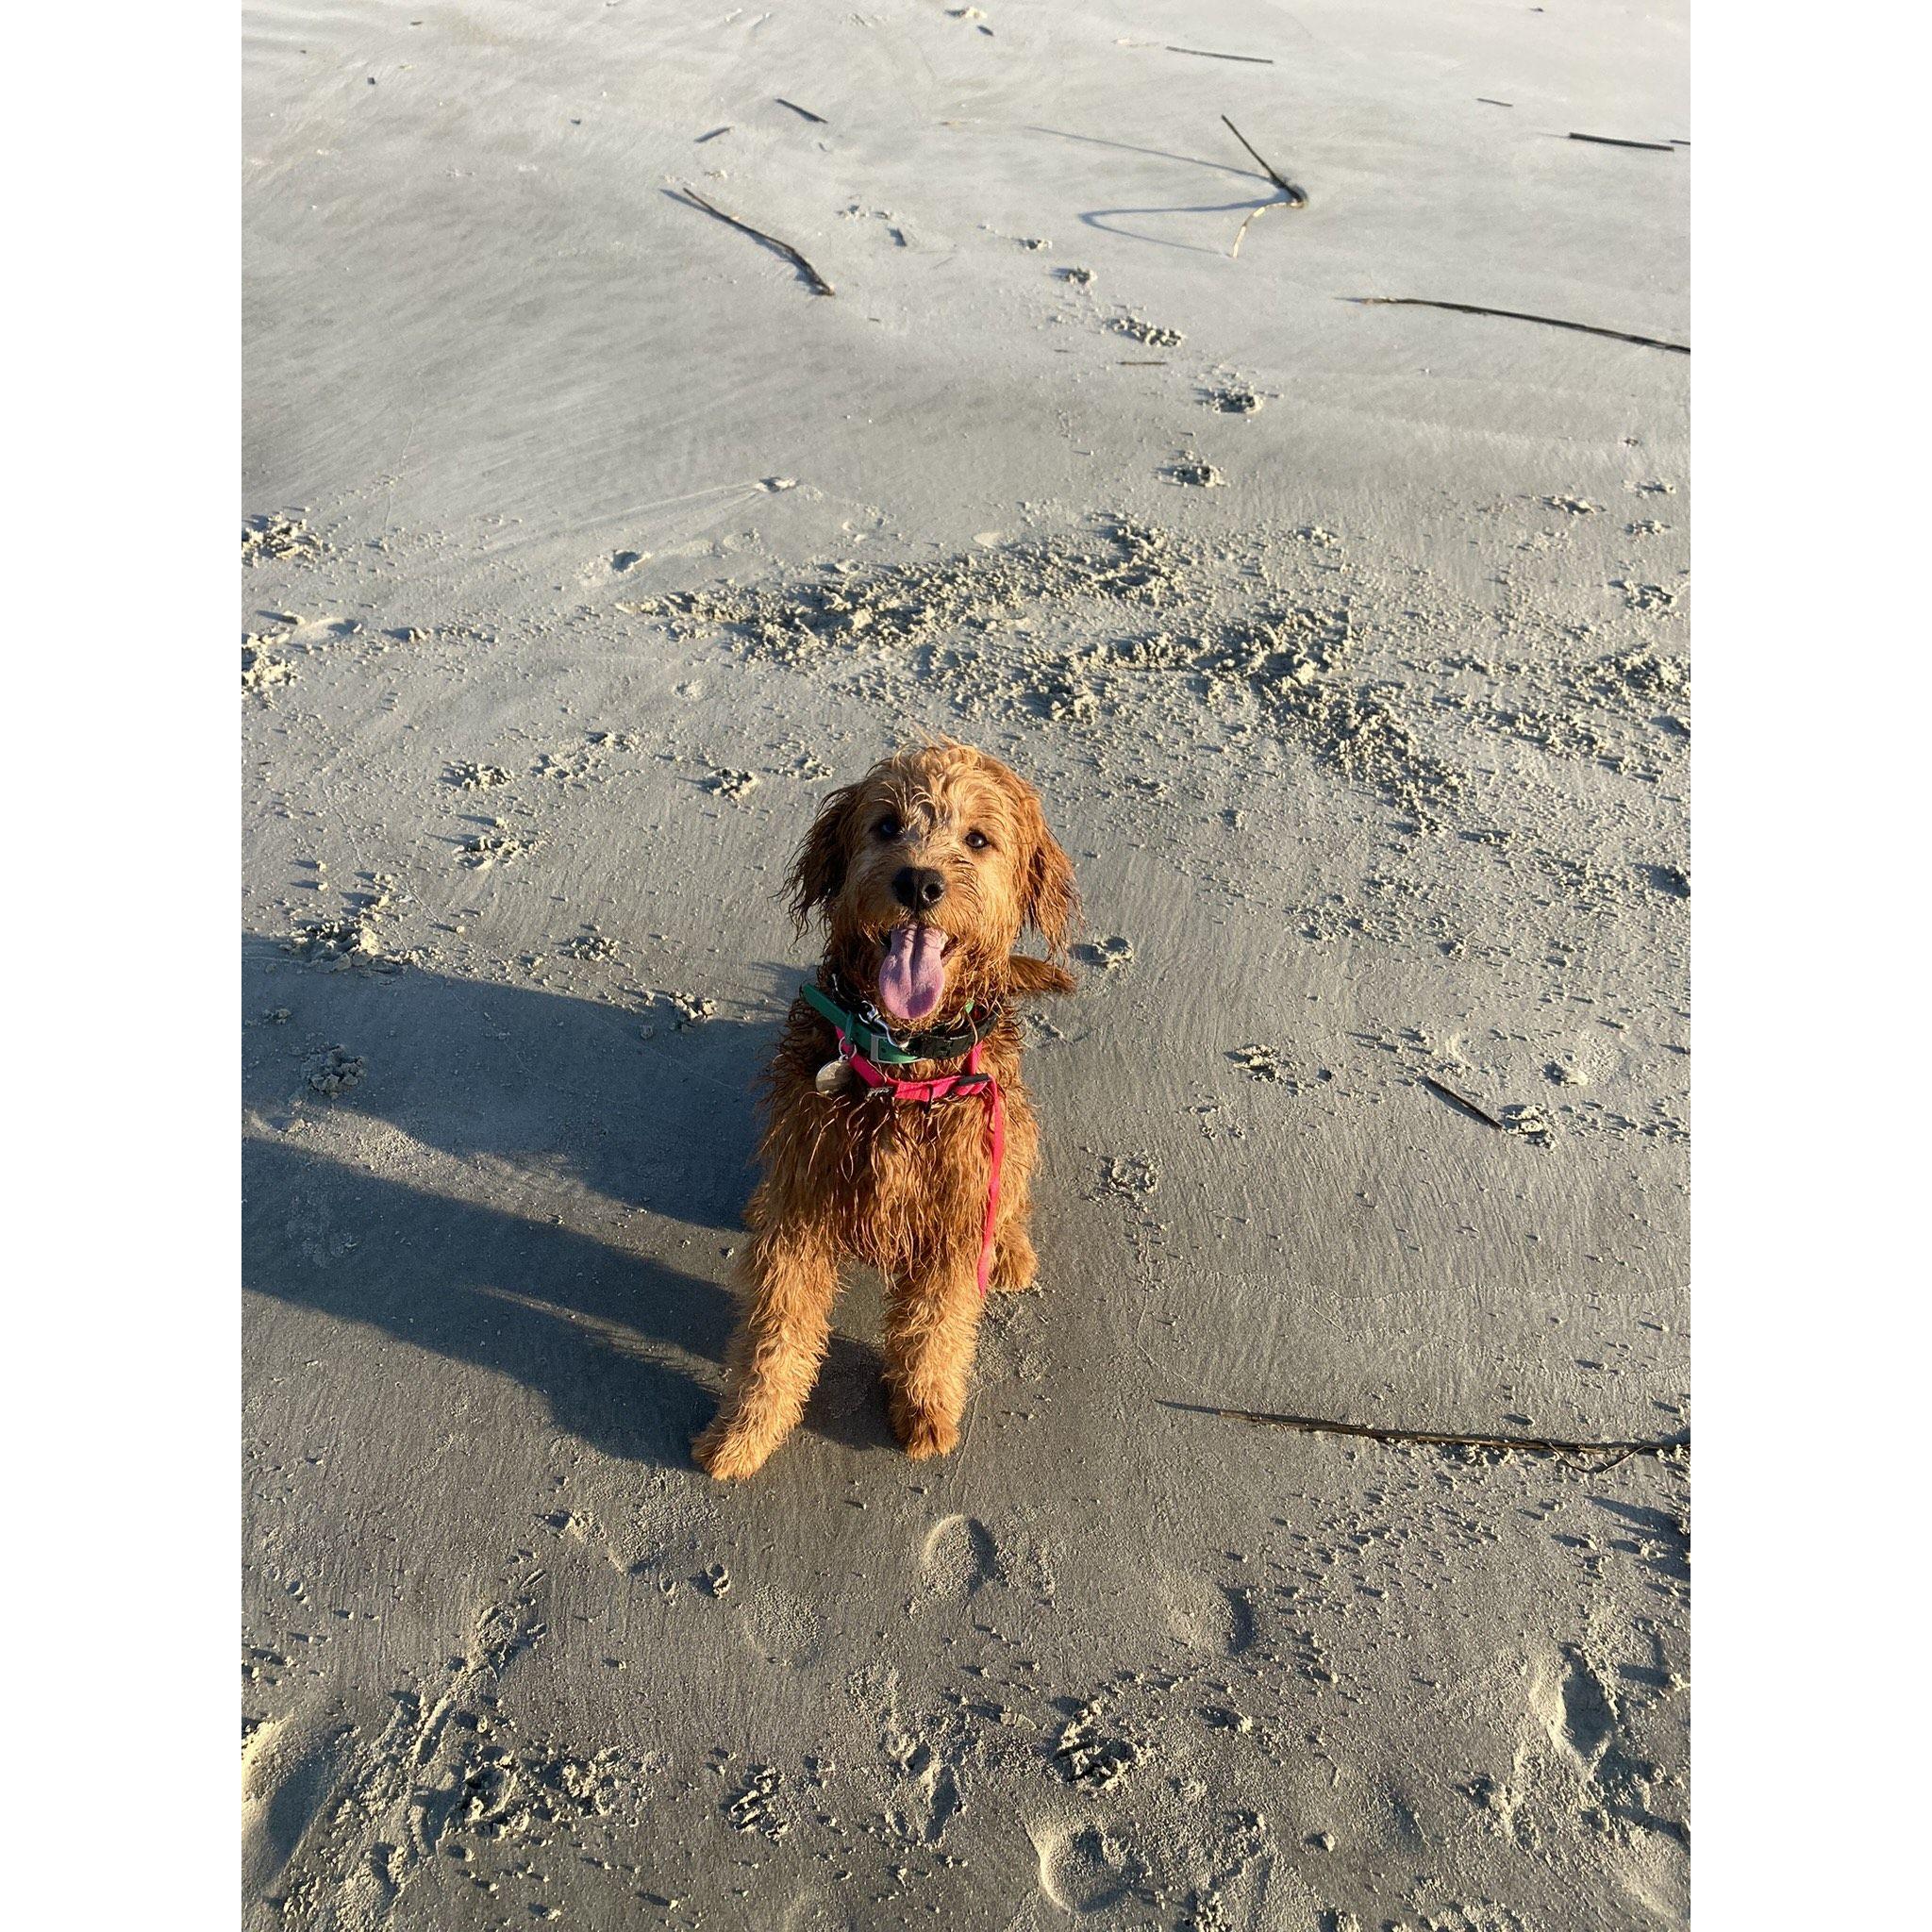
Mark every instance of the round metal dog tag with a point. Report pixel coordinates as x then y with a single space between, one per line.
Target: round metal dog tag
832 1077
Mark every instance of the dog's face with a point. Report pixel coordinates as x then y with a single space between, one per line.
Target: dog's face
929 870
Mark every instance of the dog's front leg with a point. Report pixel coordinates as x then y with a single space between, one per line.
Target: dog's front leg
774 1357
932 1326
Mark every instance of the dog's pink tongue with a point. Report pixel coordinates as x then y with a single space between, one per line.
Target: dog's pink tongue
913 975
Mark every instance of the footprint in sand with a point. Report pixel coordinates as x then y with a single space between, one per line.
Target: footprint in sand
931 1796
959 1557
780 1628
1572 1702
289 1766
1574 1709
1089 1870
1207 1615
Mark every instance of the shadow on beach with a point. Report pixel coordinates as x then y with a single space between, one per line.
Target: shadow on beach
536 1093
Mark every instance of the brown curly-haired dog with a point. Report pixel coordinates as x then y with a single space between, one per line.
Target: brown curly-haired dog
927 869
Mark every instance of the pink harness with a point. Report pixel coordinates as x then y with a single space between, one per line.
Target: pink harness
968 1084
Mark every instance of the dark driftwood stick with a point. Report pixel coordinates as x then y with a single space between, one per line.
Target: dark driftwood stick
1588 328
1660 147
1462 1100
1207 54
1541 1445
797 109
820 285
1295 195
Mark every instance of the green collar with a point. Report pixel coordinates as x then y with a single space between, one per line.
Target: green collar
875 1041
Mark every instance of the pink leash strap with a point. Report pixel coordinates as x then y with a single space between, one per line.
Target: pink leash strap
970 1083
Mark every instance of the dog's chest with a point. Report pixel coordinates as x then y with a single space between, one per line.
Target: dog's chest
900 1145
907 1175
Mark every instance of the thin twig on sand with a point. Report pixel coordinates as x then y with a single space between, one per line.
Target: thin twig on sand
1291 197
1588 328
820 119
1659 147
1436 1439
1234 253
712 136
819 284
1209 53
1462 1100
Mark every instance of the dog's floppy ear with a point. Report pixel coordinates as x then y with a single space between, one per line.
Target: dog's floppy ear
1051 904
819 870
1028 974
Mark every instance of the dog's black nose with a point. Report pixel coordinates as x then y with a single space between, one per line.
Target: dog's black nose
916 887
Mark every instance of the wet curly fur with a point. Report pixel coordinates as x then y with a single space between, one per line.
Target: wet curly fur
856 1174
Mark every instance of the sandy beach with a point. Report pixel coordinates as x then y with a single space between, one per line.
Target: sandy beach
591 538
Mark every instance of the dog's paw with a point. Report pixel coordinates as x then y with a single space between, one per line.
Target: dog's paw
923 1433
728 1453
1014 1266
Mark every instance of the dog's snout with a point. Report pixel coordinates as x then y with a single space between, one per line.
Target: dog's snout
917 887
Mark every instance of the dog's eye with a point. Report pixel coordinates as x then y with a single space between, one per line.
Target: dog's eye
888 829
979 841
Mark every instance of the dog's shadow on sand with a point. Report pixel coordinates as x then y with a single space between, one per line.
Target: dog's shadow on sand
522 1087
